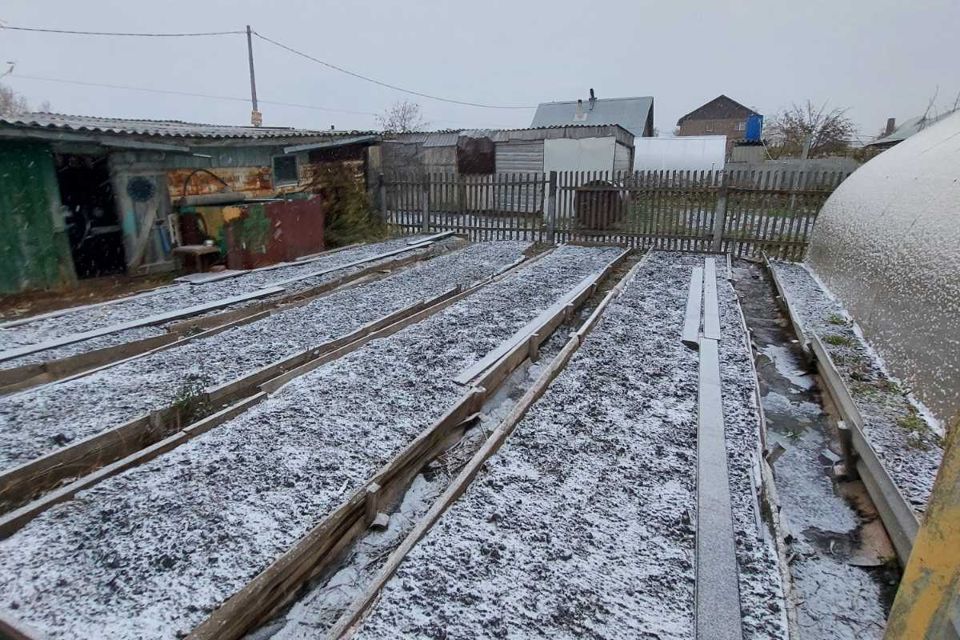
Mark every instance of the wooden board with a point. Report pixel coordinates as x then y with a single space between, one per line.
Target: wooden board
690 336
540 327
718 615
17 379
22 482
140 322
492 444
711 308
14 520
10 630
788 306
897 514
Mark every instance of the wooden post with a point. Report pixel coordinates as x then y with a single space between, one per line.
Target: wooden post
371 502
382 188
720 214
552 208
425 215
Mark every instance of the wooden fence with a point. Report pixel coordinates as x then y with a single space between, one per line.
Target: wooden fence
739 212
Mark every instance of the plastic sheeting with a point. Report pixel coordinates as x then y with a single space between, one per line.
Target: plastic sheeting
887 243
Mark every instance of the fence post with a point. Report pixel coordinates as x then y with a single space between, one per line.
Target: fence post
425 215
382 190
552 208
720 214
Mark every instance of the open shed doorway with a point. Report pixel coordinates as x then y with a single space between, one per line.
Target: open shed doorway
96 237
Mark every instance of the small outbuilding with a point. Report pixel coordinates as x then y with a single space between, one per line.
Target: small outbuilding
633 114
88 196
497 151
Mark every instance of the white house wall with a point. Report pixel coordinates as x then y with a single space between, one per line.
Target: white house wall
585 154
682 153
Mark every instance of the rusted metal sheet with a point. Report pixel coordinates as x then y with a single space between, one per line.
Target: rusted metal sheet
257 181
275 232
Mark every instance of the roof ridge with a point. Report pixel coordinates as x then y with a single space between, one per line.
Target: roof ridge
599 100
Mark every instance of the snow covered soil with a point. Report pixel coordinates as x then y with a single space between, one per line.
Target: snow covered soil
45 418
179 296
150 552
906 445
583 524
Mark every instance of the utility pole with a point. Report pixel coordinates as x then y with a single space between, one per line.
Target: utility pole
256 118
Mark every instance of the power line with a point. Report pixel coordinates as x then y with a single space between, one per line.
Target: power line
104 85
124 34
386 84
296 52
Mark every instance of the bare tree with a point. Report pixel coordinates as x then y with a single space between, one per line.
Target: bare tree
11 103
828 132
401 117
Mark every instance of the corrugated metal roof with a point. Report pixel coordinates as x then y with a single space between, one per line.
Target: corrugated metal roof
442 139
158 128
907 129
629 113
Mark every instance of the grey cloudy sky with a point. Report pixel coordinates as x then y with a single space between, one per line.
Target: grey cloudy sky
878 58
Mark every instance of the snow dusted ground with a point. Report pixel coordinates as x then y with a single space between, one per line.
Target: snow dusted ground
45 418
150 552
173 297
583 525
905 443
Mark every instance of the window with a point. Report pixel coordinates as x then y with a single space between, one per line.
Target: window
476 156
741 126
285 170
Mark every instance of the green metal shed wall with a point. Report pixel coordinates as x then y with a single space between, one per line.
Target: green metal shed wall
34 253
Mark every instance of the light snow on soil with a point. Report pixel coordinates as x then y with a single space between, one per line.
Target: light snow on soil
151 552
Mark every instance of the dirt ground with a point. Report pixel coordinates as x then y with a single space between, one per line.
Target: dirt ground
90 291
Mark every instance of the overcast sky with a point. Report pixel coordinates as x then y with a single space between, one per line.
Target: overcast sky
878 58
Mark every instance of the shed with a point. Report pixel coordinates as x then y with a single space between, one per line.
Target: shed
119 183
633 114
532 150
904 131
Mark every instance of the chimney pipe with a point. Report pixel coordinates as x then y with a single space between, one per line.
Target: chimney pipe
580 114
891 125
593 99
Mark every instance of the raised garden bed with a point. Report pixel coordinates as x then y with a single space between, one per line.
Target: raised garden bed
906 444
39 420
151 552
583 524
169 299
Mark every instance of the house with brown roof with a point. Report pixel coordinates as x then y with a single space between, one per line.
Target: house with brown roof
722 116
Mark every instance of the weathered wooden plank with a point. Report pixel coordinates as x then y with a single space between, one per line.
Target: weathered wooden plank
85 363
276 584
140 322
492 444
898 516
10 630
711 308
690 335
718 615
9 324
518 345
14 520
787 306
21 483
